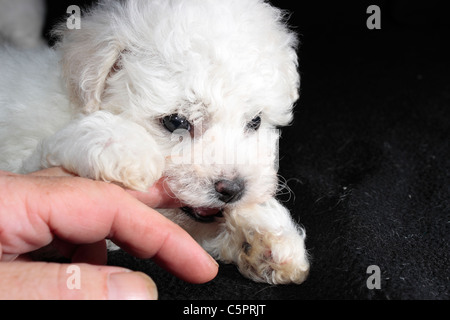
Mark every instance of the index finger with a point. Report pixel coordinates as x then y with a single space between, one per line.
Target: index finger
84 211
157 196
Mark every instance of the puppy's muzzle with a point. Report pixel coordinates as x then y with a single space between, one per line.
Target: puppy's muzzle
227 191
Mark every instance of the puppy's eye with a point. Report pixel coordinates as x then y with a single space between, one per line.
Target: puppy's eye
176 122
254 124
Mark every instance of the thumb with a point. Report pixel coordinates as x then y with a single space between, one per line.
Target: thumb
53 281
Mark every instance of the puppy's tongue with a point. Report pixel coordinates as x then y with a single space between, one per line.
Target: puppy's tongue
206 212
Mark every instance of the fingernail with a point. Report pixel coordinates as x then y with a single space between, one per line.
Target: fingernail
131 286
214 261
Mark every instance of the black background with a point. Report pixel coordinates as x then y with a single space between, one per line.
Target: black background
367 157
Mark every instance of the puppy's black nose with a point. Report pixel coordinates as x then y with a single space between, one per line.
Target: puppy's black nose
230 190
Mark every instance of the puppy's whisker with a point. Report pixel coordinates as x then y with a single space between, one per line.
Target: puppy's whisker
284 189
169 191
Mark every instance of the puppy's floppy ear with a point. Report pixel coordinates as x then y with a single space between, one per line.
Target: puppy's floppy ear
89 55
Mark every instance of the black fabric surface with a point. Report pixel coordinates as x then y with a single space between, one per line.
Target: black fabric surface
367 159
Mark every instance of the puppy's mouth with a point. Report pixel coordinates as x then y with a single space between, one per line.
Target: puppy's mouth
205 215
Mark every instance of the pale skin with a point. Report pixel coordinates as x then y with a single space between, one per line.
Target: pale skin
76 215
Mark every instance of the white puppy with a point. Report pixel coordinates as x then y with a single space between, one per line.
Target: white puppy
188 90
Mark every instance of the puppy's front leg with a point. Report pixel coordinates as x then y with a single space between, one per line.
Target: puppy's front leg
265 243
102 146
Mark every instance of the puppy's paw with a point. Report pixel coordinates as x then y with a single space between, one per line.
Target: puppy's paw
123 153
102 146
275 259
128 163
265 243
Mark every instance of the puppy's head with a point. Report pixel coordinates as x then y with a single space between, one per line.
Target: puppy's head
210 80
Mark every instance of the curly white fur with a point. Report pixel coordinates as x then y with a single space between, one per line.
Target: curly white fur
94 105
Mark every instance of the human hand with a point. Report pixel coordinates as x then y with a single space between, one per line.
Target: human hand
76 215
